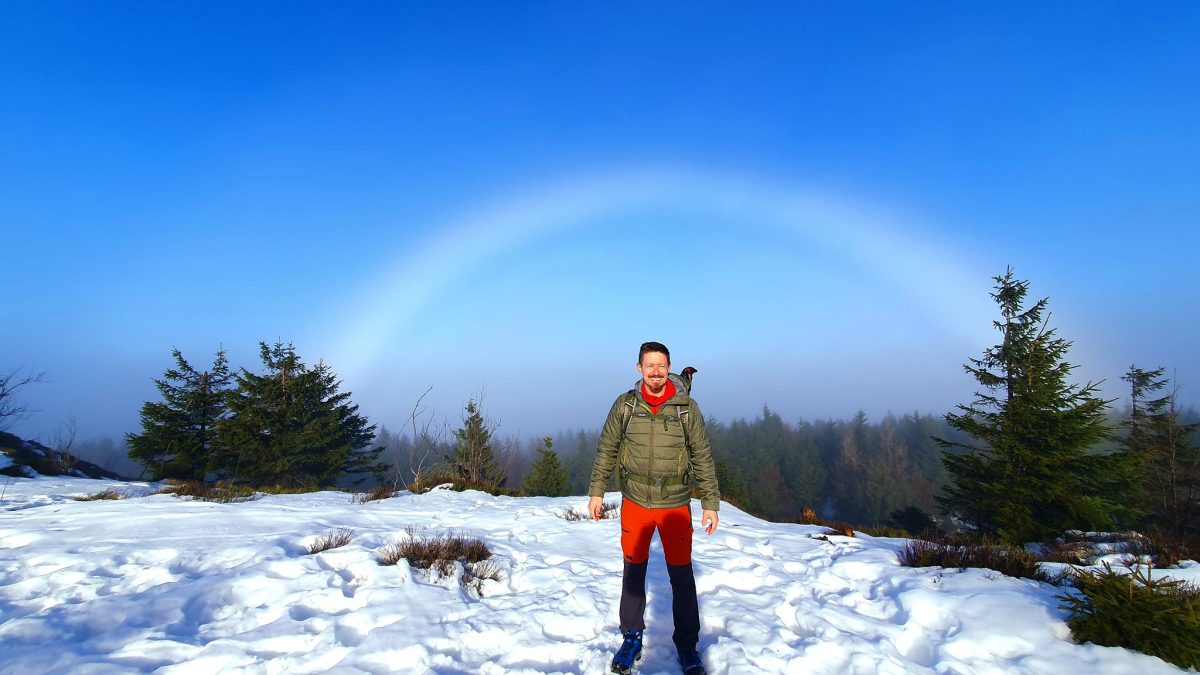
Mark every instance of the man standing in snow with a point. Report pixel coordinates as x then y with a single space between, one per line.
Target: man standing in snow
656 440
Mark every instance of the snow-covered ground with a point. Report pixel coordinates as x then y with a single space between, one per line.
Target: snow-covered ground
158 583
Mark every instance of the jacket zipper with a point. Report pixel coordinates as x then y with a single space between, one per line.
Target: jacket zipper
653 447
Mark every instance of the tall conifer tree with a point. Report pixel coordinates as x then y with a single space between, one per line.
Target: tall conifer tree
179 435
291 425
1027 473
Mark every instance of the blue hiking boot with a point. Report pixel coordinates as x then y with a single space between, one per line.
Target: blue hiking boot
629 653
689 660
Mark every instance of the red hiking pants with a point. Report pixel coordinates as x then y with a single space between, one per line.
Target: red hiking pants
674 531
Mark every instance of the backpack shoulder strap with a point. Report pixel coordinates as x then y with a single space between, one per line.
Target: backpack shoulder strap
628 402
682 412
627 407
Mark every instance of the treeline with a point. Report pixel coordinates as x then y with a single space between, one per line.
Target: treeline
855 470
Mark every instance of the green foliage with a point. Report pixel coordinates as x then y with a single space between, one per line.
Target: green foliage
875 473
1160 617
733 488
1025 472
290 424
474 460
547 477
855 470
1165 456
179 435
913 520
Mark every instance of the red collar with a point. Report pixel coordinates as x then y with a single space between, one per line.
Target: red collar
655 402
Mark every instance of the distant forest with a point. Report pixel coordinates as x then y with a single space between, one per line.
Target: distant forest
855 470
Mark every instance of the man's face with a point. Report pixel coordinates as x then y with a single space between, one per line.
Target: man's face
654 367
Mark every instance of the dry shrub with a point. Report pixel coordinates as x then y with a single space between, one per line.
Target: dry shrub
445 477
437 553
103 494
332 539
475 574
391 554
608 511
432 478
1156 548
289 489
1010 560
1071 548
220 492
885 531
375 493
1079 548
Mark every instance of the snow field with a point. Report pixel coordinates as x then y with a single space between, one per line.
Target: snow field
162 584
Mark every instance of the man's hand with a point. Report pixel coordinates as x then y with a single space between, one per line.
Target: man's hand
594 505
709 521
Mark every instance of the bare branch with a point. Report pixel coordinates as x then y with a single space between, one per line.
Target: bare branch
416 461
64 440
10 410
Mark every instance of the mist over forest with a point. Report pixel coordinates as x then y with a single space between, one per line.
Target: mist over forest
857 470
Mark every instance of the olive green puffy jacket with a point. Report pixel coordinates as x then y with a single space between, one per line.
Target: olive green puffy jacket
657 466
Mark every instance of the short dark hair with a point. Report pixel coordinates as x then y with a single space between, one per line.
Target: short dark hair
648 347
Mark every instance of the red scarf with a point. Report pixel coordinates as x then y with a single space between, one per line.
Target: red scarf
655 402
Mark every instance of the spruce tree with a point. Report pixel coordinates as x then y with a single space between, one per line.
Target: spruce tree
291 425
179 435
473 460
547 477
1160 442
1025 471
802 469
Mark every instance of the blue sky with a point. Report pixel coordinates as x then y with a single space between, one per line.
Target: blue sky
806 201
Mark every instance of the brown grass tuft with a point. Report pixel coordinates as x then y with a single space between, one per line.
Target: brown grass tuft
220 492
608 511
1010 560
103 494
332 539
437 553
474 574
436 478
1078 548
375 493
